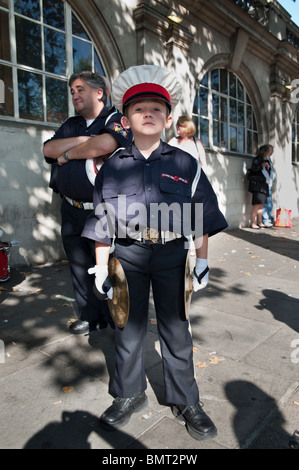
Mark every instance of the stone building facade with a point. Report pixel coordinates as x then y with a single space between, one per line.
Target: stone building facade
238 62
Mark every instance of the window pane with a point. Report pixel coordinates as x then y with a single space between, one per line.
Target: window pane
204 131
77 28
215 101
240 89
216 133
241 120
55 60
97 65
196 104
28 43
203 101
223 109
28 8
215 80
4 3
232 85
81 56
204 81
233 111
223 135
249 117
195 120
4 36
241 139
30 95
293 131
6 108
56 93
223 81
53 13
233 138
254 122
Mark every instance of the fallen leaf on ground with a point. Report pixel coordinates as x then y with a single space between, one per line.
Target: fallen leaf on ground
68 389
202 365
153 321
215 360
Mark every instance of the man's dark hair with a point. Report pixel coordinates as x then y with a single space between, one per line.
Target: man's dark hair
94 80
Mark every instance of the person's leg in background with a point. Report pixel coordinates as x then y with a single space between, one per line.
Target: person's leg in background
268 219
80 255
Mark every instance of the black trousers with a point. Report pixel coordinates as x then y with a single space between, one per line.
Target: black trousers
163 266
80 253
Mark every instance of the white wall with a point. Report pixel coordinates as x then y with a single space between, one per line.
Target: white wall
28 209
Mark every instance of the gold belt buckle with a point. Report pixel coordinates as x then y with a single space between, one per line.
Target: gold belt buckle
152 234
77 204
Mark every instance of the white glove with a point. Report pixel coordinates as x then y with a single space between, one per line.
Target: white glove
200 274
103 283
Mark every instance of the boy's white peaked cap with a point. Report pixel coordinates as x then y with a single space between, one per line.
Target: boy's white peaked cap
128 86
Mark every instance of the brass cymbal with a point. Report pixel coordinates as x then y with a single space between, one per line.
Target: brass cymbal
120 303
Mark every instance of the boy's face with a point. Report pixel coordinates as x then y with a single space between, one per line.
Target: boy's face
147 118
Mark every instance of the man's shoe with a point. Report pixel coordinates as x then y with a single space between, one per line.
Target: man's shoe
119 413
198 424
79 327
268 224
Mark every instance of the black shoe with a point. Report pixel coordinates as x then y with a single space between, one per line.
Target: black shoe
79 327
198 424
121 410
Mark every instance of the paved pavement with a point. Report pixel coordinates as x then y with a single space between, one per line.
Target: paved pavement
245 327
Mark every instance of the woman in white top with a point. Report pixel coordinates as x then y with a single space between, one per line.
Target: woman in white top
186 141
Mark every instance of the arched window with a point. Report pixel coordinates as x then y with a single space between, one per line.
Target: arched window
224 114
295 138
42 43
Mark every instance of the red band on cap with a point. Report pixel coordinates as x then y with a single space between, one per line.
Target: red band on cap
146 90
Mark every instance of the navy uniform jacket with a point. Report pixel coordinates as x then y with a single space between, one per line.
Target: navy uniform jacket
71 179
169 175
